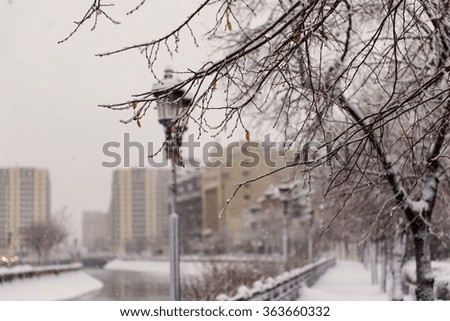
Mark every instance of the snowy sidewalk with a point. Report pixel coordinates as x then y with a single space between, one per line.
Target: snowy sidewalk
347 281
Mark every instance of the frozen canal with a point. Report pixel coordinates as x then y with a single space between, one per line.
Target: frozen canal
128 285
118 281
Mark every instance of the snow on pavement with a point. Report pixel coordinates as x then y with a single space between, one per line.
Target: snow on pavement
66 285
347 281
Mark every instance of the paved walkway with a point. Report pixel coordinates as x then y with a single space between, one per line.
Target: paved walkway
347 281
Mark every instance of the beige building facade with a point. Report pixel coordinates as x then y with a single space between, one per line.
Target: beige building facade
24 200
223 222
139 210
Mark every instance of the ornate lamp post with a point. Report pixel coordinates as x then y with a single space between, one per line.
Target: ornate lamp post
171 109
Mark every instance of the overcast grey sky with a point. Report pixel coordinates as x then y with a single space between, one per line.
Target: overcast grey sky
49 91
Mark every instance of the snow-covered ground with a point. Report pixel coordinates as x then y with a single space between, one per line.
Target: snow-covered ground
347 281
63 286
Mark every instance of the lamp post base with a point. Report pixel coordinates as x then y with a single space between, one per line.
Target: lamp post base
174 259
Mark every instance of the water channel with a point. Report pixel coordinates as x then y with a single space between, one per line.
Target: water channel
127 286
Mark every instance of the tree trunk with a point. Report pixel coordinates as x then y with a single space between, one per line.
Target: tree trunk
383 253
310 247
373 262
365 259
424 274
397 261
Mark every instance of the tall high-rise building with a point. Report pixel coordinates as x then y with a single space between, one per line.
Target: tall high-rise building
140 210
24 200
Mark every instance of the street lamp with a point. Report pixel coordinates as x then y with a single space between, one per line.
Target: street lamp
172 115
284 191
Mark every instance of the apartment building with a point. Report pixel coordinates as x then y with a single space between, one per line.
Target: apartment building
24 200
139 210
224 201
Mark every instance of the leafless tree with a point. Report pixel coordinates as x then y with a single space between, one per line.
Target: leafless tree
375 73
43 236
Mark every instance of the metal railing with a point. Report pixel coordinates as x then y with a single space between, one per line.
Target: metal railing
284 287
